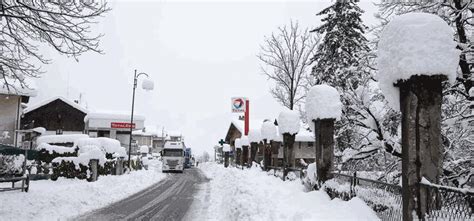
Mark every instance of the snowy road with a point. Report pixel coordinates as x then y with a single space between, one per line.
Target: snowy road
169 199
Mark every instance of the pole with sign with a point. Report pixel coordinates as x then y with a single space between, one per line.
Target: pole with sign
242 105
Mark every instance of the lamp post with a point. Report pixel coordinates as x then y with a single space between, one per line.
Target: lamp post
147 85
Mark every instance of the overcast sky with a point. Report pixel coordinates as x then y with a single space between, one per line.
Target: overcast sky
199 54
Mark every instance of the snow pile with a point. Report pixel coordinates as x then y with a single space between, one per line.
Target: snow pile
144 149
244 140
61 139
234 194
238 143
226 148
415 44
268 130
65 199
53 148
323 102
311 176
289 122
40 130
111 146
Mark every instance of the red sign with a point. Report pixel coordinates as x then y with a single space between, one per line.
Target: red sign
121 125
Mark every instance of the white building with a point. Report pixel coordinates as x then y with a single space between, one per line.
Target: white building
116 126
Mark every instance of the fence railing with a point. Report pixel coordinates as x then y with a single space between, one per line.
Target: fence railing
446 203
278 171
384 198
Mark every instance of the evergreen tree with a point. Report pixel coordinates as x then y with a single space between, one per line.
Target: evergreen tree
338 56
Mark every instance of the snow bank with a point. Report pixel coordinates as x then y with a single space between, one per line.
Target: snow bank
53 148
238 143
85 154
244 140
415 44
65 199
268 130
234 194
289 122
323 102
65 138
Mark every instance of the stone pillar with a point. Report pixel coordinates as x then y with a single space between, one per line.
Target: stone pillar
245 155
253 152
267 154
226 159
238 155
420 104
93 164
324 135
288 142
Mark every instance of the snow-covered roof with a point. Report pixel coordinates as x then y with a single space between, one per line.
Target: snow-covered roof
15 88
415 44
175 134
47 101
104 115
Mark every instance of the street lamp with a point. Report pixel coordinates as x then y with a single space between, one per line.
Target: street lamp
147 85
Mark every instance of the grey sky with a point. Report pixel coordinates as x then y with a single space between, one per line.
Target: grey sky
199 54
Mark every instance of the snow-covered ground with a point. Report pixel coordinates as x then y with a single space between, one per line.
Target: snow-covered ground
67 198
234 194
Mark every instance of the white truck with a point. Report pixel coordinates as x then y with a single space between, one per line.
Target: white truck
172 157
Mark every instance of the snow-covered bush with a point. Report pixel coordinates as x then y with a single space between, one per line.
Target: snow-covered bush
11 164
288 122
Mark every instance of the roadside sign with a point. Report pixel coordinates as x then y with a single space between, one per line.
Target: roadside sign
238 104
121 125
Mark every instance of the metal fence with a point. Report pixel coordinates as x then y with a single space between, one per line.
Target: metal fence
384 198
446 203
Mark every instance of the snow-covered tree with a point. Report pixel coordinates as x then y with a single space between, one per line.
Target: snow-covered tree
286 55
340 53
25 25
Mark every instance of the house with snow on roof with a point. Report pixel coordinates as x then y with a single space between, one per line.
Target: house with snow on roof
114 125
13 98
57 115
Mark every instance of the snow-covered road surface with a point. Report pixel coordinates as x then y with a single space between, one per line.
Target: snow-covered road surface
65 199
251 194
167 200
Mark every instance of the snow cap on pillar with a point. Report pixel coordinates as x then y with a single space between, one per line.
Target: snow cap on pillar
255 136
323 102
288 122
244 140
238 143
226 147
268 130
415 44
